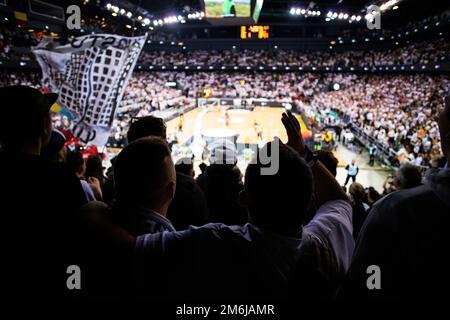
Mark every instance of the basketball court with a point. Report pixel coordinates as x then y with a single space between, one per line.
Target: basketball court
194 126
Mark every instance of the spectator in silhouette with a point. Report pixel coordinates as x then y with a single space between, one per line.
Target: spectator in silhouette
264 255
407 176
222 183
139 128
406 237
95 169
189 204
360 207
91 186
38 199
145 182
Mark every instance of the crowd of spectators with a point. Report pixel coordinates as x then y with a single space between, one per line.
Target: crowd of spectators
398 111
417 53
287 234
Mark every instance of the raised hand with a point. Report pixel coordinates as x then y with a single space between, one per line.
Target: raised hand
294 132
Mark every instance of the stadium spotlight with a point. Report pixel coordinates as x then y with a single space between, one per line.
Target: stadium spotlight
129 14
122 11
329 14
108 6
336 86
292 11
297 11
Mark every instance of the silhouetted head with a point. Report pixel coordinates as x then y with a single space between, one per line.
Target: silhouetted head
272 201
33 129
407 176
185 166
144 174
146 126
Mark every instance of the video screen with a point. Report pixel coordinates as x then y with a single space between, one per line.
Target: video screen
227 8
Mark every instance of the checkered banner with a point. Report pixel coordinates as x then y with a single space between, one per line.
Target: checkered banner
90 74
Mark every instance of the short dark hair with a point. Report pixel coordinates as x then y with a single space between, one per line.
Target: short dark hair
185 166
35 117
408 176
146 126
140 169
94 166
75 161
273 202
328 160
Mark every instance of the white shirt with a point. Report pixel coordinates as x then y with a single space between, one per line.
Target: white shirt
213 253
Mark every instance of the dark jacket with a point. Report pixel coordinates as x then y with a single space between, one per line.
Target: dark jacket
407 236
189 204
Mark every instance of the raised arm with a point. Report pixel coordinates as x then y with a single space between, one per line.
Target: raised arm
326 188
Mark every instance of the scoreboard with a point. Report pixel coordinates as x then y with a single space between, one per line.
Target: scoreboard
254 32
